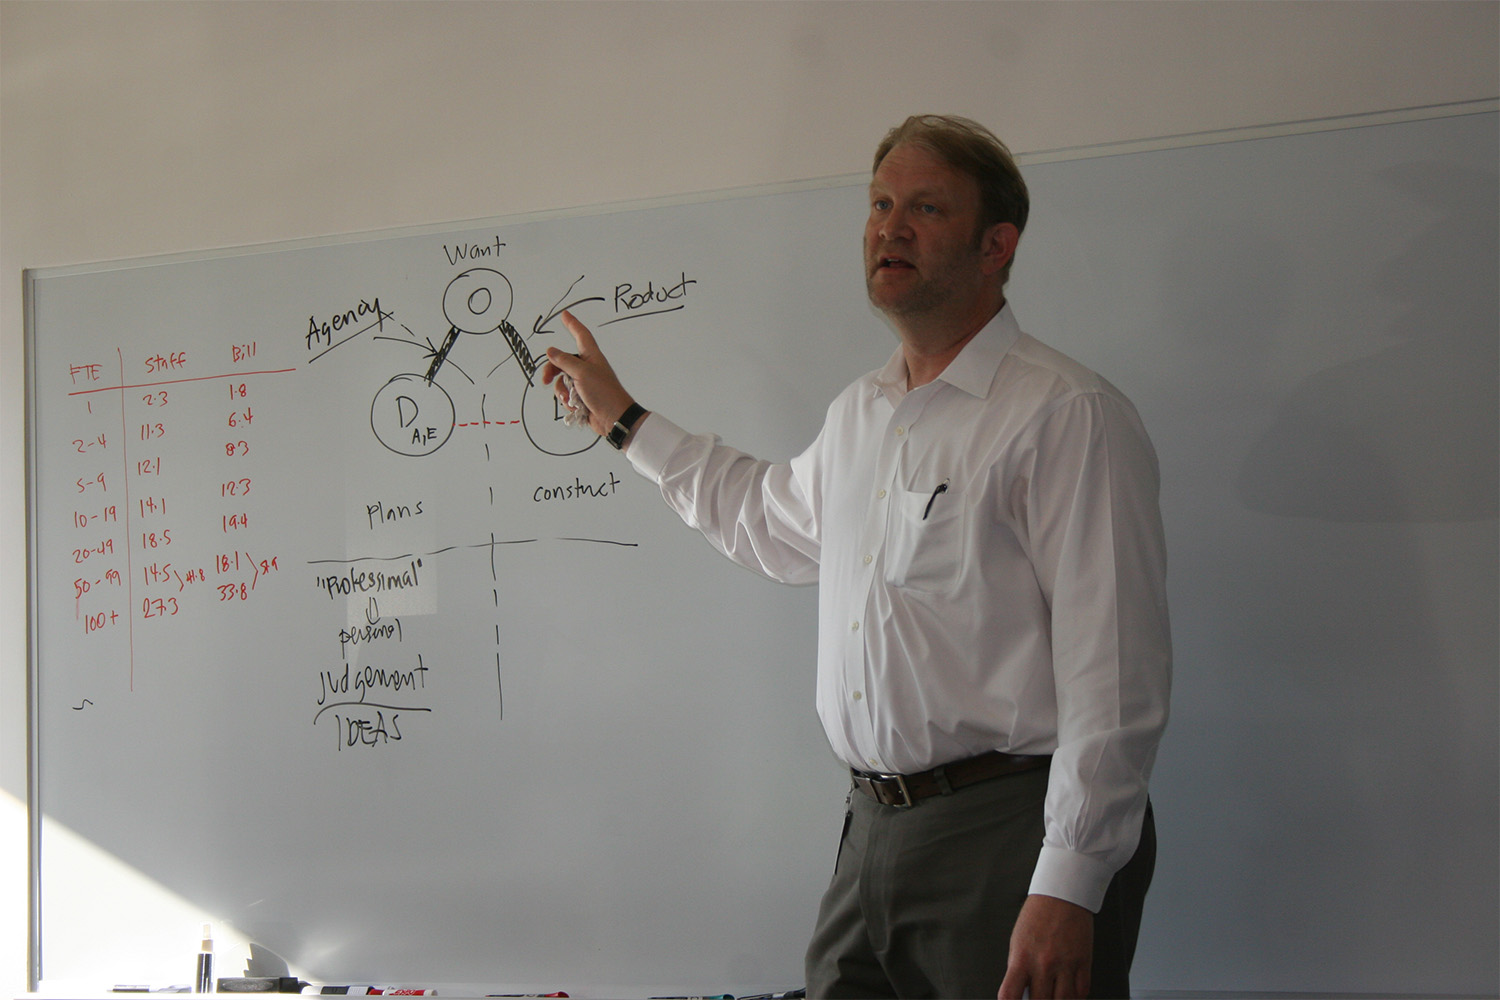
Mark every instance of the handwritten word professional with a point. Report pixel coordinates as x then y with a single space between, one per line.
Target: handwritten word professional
981 516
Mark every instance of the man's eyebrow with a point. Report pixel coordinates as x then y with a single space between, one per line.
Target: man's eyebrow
921 194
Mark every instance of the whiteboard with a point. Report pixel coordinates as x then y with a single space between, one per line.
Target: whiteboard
341 636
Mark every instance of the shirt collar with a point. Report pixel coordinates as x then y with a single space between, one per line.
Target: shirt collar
973 371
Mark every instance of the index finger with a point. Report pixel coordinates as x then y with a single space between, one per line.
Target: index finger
1013 987
585 339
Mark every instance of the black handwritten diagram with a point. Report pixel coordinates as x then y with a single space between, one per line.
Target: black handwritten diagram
413 414
393 463
480 374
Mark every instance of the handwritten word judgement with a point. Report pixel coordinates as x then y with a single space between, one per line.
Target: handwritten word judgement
364 680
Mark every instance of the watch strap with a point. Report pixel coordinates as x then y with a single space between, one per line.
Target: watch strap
621 430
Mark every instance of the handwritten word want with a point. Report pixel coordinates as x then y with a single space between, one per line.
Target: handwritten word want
472 251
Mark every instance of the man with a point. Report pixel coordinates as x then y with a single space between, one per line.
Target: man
993 650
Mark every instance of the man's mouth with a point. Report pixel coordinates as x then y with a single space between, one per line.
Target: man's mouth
894 263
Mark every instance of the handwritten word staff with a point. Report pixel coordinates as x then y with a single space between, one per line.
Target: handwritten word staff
993 653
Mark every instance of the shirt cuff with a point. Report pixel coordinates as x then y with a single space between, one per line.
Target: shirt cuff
1067 875
655 440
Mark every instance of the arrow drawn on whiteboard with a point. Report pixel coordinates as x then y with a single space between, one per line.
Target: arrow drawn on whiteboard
431 352
540 326
441 354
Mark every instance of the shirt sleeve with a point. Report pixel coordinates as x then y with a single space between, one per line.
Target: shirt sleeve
1094 525
763 516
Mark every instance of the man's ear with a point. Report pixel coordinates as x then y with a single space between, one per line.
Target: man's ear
998 245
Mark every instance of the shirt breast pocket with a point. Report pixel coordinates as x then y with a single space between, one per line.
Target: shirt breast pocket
924 539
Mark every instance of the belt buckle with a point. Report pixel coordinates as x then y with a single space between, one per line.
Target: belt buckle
906 797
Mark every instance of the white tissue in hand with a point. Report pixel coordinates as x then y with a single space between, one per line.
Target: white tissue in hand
572 401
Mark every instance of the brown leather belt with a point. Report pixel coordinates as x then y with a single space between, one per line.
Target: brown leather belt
906 790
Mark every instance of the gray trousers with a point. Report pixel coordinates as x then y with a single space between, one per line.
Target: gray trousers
923 900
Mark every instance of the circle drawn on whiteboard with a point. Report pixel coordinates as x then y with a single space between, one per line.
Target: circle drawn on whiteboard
542 420
412 416
478 301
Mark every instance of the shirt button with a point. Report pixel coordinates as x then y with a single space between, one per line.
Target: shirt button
900 431
880 494
869 559
854 626
858 696
872 761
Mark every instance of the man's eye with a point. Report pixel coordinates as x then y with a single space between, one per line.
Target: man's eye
929 210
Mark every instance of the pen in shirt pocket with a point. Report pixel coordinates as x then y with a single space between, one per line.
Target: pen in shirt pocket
942 488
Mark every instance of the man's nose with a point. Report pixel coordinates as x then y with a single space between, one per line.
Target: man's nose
896 225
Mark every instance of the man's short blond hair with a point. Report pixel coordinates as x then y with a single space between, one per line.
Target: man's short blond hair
974 150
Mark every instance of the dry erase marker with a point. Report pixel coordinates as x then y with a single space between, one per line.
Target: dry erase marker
205 981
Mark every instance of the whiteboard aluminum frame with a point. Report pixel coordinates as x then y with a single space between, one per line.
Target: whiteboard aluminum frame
32 275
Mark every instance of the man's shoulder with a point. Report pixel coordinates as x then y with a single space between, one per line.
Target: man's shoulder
1034 366
1035 360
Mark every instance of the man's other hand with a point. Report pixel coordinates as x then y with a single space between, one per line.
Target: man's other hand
1051 951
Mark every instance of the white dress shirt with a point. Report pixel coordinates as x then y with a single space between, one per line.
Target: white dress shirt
991 569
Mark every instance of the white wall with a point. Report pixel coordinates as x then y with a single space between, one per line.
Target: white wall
139 128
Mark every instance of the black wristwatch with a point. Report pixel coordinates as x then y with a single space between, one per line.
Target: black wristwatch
621 430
